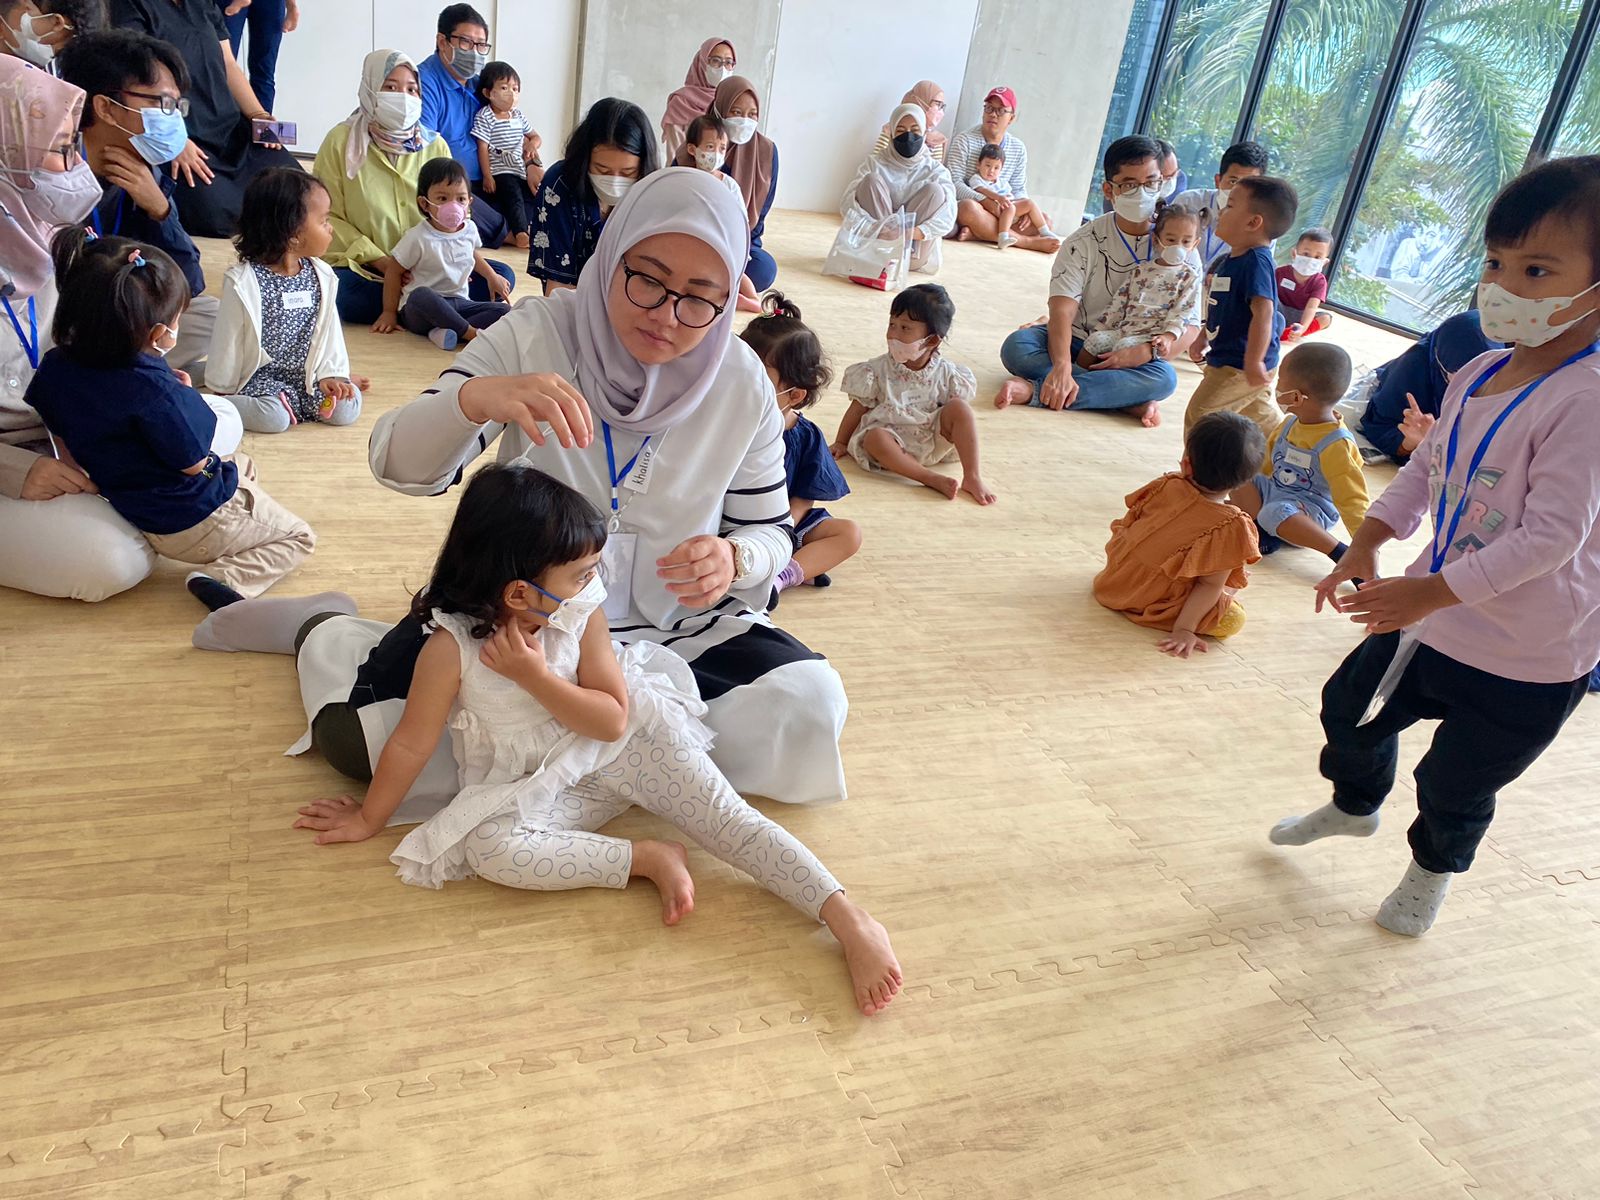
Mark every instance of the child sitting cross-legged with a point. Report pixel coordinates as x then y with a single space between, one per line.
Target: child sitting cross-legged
1312 473
441 253
1176 559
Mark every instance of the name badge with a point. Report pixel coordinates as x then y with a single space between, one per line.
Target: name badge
1297 457
1286 283
294 300
1220 283
638 479
616 569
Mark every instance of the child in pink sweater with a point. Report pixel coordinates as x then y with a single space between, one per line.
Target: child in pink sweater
1494 628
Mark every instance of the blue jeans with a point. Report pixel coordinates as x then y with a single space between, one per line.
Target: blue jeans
1026 354
265 21
361 300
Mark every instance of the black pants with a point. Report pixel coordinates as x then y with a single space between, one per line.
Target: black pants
513 198
1491 730
336 729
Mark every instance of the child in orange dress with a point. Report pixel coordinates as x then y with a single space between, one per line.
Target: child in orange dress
1177 559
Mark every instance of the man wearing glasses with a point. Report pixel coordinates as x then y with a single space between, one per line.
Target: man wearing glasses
1010 219
449 81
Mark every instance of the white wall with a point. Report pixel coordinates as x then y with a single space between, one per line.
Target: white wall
835 86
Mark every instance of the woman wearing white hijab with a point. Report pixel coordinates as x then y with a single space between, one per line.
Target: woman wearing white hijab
634 377
904 175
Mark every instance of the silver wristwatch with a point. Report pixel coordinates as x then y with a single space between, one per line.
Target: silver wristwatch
744 562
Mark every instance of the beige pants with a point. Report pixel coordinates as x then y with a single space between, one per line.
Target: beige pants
249 543
1225 389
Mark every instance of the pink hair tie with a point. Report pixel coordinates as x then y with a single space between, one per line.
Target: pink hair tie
136 258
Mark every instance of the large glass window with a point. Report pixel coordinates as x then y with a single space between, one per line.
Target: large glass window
1133 75
1201 88
1580 127
1318 96
1470 100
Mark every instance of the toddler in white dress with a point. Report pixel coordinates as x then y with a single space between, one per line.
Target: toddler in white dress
1158 295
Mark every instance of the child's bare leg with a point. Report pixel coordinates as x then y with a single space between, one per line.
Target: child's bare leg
960 428
1301 530
1247 499
826 546
886 450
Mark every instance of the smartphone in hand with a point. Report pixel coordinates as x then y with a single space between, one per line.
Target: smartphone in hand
280 133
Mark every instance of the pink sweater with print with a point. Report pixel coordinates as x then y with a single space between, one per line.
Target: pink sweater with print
1526 557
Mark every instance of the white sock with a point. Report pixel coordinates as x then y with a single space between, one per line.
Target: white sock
1413 906
266 624
1327 821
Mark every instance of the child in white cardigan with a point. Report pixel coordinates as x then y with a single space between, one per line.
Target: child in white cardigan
278 352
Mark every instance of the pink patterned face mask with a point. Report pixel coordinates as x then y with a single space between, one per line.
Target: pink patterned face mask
904 352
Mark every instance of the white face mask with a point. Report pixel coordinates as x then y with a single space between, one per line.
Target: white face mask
1222 200
1508 318
708 160
396 111
29 47
715 75
740 129
572 615
904 352
610 188
1306 265
1168 186
1137 205
167 349
61 197
1171 255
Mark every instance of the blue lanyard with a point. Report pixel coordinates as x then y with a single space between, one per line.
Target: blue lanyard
611 463
1132 253
30 345
116 230
1439 552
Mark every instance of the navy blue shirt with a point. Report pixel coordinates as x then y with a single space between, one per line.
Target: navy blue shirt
450 106
1239 279
118 216
812 472
565 229
135 430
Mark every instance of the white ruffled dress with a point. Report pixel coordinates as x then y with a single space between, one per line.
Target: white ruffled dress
513 754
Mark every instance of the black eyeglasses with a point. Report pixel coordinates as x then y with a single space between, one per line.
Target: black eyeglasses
647 292
166 104
466 43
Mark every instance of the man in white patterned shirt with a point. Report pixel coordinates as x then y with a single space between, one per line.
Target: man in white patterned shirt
992 217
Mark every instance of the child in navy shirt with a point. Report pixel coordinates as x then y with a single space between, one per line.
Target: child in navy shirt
1243 324
142 433
794 361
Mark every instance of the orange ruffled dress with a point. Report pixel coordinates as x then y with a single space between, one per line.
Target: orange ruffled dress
1171 536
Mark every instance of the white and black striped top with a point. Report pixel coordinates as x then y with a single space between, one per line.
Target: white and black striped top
504 139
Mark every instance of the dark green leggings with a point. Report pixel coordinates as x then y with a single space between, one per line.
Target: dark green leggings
336 729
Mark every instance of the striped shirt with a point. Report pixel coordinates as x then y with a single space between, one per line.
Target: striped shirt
962 159
504 138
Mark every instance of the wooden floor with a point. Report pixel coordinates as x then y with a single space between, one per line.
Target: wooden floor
1116 986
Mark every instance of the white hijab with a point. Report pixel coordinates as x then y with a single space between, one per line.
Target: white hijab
902 174
621 390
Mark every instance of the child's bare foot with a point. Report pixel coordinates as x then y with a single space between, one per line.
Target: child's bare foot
748 303
666 864
874 971
1149 413
974 487
1013 391
522 241
944 485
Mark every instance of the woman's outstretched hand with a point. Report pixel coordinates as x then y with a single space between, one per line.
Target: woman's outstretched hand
336 819
529 401
698 572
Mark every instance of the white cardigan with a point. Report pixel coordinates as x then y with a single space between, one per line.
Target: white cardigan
236 352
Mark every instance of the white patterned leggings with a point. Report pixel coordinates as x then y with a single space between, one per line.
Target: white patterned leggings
556 847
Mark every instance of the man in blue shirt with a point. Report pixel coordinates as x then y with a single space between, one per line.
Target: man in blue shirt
449 81
122 71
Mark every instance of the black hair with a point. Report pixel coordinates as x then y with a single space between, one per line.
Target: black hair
85 16
457 15
609 122
1273 200
436 171
928 303
1132 149
1244 154
492 74
1315 234
272 212
113 293
703 124
1319 369
1167 213
990 151
104 63
1563 189
1224 450
786 344
513 522
1168 150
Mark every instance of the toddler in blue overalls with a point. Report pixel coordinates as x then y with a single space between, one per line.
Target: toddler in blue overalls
1312 475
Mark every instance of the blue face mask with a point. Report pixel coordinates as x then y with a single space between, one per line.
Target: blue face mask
164 137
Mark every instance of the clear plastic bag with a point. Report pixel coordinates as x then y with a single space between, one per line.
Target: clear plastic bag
873 252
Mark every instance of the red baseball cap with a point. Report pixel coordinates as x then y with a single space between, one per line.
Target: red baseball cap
1005 95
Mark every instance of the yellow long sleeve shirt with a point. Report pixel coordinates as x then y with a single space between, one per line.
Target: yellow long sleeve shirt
371 211
1340 465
